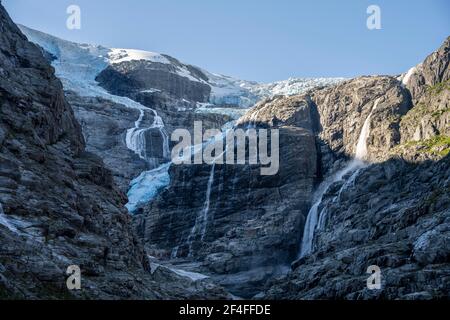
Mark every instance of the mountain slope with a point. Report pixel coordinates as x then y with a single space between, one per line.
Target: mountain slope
58 203
142 70
351 192
393 213
129 101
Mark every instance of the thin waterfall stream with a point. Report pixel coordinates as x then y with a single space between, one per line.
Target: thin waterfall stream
316 219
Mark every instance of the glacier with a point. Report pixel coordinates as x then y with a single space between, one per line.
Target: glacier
147 186
77 66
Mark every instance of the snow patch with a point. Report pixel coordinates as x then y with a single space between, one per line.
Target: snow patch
117 55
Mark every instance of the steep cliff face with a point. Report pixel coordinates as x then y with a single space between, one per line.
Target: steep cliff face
433 70
429 84
104 125
58 203
393 214
131 77
344 109
229 216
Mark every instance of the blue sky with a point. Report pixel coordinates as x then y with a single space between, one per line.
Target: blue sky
262 40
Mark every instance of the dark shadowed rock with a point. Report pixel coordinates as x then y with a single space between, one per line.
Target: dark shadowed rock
59 205
131 77
252 220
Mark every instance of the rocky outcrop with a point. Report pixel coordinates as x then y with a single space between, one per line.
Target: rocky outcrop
343 110
131 77
59 205
432 71
429 121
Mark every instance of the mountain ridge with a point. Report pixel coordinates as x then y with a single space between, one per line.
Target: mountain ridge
364 177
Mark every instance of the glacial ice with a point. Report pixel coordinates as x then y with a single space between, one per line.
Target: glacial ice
230 91
147 186
77 66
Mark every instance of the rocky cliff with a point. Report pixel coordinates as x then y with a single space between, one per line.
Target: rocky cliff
363 179
59 205
383 214
394 213
129 78
251 222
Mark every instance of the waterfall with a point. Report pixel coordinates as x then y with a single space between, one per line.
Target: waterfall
207 202
202 218
316 219
148 184
361 147
136 141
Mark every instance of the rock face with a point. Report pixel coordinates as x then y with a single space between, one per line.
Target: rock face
434 70
429 84
251 220
343 110
59 205
105 124
131 77
224 223
374 214
395 215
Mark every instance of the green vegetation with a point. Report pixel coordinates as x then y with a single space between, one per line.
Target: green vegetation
438 88
439 145
416 113
422 109
439 113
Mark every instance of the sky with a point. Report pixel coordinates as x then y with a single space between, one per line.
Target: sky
260 40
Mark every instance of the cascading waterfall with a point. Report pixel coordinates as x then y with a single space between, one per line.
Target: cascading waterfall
316 219
136 141
202 219
207 202
148 184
